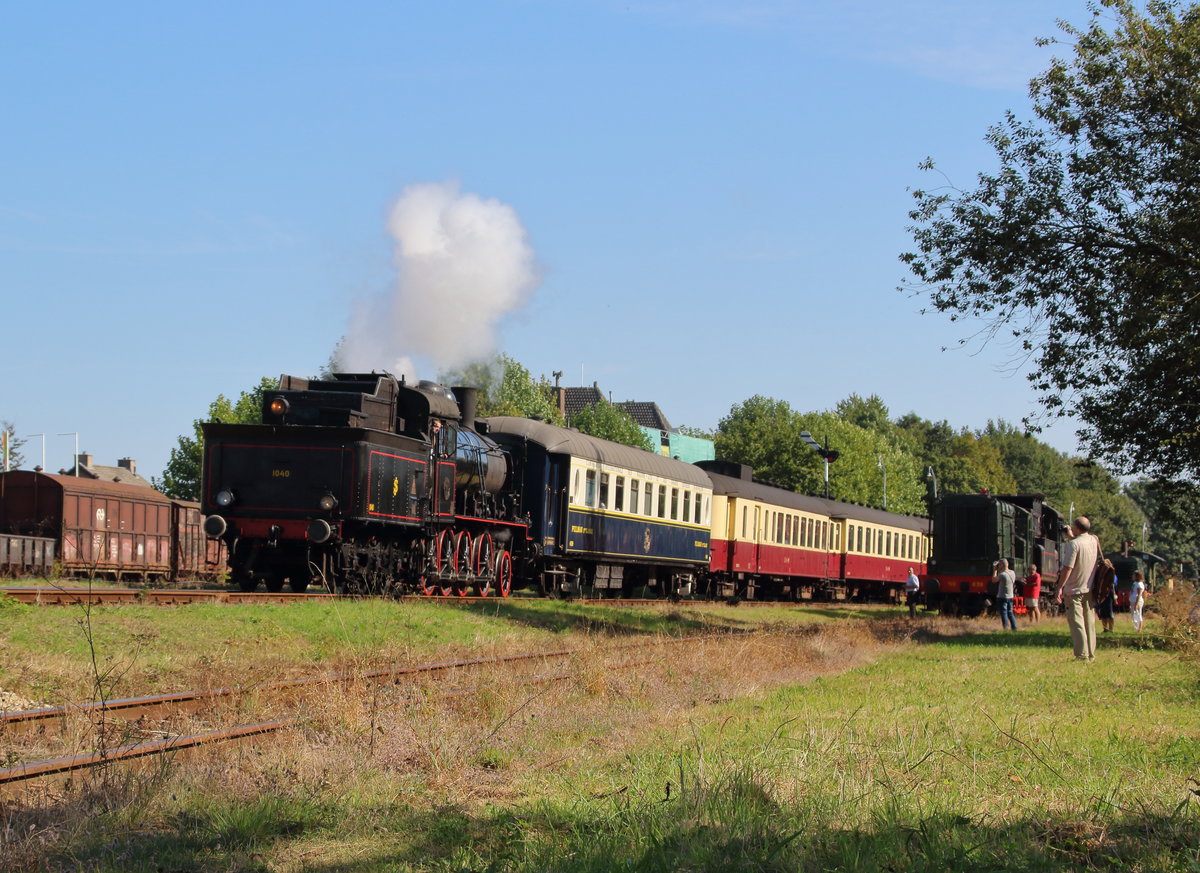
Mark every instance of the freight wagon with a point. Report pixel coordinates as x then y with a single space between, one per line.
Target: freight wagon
108 530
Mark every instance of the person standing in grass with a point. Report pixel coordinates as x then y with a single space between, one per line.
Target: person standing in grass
912 589
1032 591
1006 582
1075 585
1106 608
1137 599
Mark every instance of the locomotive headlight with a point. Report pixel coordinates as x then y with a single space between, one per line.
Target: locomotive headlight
327 502
225 498
278 406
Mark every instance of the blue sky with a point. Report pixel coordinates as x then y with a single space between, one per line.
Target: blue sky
715 194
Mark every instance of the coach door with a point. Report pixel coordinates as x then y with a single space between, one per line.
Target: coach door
758 536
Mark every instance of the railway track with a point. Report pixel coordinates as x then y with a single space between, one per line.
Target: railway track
133 709
177 597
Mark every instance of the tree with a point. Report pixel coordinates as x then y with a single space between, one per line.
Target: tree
1172 513
764 434
610 422
506 387
869 413
181 476
1097 494
1084 246
15 459
974 465
1035 466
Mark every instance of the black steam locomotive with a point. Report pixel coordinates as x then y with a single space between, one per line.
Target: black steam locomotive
363 484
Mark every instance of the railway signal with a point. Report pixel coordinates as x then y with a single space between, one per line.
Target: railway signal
824 451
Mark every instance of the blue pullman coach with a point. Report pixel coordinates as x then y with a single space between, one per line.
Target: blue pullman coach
606 515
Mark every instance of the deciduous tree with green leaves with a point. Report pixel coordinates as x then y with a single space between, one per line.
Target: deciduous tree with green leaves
1172 514
764 433
1083 247
181 476
610 422
506 387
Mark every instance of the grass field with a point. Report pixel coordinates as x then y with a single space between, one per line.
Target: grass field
825 741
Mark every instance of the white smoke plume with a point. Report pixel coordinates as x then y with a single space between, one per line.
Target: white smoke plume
462 264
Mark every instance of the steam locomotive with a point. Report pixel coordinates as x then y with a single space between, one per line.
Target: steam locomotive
360 482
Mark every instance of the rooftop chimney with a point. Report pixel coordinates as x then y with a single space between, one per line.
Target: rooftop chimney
128 464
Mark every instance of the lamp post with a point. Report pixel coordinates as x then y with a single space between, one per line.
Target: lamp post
824 451
1145 525
43 436
882 466
76 435
931 478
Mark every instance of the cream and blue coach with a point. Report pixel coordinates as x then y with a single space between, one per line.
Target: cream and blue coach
606 516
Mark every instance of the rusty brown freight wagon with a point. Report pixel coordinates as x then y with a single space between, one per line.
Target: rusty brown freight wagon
126 533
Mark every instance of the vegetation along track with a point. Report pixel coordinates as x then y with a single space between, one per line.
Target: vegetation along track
136 709
171 597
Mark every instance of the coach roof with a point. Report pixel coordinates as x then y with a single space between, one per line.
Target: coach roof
558 440
748 489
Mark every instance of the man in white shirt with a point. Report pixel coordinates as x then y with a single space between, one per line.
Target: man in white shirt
912 588
1075 586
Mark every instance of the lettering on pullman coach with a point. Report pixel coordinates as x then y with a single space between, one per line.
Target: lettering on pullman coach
281 474
581 530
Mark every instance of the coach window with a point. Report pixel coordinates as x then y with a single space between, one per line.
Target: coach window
648 500
575 490
633 495
662 501
687 505
745 518
589 497
699 519
619 497
604 491
779 527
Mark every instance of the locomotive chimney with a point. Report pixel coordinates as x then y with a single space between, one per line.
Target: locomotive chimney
466 405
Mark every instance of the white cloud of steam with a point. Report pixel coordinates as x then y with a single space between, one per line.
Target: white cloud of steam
462 264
